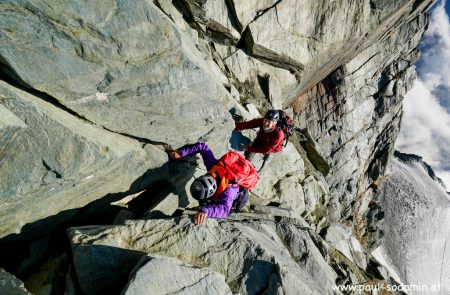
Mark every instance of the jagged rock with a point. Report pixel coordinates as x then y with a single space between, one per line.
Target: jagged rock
164 275
341 238
307 32
278 166
313 193
252 111
271 83
9 284
219 25
291 193
416 222
98 62
176 16
307 143
352 120
377 271
253 255
63 161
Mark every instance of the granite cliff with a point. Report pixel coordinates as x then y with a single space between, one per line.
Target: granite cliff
93 96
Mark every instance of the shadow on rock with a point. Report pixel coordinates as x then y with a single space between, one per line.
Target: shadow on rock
153 187
109 274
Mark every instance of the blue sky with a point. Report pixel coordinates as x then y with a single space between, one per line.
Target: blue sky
425 127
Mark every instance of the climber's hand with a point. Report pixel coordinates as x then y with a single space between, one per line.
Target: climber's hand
174 155
200 218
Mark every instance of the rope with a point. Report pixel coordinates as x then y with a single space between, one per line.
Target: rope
264 162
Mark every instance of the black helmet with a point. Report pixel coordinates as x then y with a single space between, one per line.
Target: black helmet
272 115
203 187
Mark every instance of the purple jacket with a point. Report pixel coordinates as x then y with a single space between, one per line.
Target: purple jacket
222 208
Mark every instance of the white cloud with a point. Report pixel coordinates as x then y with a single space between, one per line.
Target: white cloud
425 127
426 124
435 65
425 130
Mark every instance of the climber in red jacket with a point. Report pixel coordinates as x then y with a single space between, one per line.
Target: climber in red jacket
270 137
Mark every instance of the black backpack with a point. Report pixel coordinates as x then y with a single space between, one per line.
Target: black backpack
286 124
241 199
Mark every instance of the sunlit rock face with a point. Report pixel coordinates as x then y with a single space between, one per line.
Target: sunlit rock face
250 254
93 96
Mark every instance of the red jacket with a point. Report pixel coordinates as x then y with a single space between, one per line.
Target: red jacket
265 142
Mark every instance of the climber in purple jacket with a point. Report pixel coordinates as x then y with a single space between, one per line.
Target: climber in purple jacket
209 185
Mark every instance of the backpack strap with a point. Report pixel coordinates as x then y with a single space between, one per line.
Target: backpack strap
241 200
223 184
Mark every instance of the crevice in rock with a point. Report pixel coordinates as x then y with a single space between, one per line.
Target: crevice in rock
263 82
219 61
367 61
301 260
248 45
264 11
232 16
194 14
220 34
307 143
144 141
8 75
189 286
157 4
320 244
47 167
278 19
190 13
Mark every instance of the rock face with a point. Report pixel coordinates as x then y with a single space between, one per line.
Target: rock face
62 160
417 218
254 256
124 66
354 116
9 284
93 96
163 275
10 126
65 156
